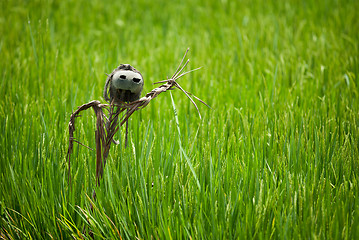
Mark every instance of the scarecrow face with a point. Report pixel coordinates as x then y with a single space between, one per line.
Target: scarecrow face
125 85
127 80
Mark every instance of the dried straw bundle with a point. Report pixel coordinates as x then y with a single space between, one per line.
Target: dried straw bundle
106 127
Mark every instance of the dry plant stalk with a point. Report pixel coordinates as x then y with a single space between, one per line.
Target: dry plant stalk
106 127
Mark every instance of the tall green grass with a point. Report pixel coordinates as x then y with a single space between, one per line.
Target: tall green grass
276 157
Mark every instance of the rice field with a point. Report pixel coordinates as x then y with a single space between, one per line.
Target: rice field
276 156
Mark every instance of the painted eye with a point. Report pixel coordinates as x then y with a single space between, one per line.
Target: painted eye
123 77
136 80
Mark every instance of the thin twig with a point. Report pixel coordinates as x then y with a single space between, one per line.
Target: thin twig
177 85
82 144
179 66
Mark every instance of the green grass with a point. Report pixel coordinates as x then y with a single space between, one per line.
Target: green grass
275 158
